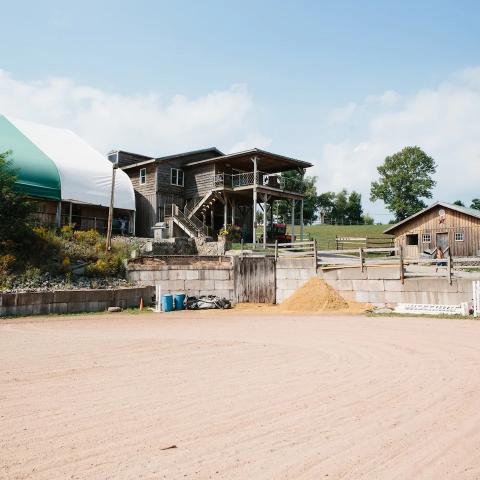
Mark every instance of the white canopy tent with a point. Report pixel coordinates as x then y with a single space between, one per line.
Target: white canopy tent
85 174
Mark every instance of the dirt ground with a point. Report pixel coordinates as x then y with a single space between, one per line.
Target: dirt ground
239 395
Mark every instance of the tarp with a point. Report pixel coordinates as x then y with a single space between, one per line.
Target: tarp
85 174
37 175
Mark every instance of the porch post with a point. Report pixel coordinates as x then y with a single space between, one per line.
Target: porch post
58 214
265 197
293 221
254 240
233 211
301 220
225 211
70 215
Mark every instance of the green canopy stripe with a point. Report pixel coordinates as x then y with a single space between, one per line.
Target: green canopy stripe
37 174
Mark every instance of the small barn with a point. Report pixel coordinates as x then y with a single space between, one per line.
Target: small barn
440 225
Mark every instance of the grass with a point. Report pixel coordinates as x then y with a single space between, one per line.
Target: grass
325 234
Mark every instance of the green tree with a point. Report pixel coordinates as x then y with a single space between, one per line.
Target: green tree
339 212
299 182
405 179
459 203
475 204
14 209
354 208
367 219
326 203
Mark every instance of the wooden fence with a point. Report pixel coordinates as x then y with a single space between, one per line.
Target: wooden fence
342 243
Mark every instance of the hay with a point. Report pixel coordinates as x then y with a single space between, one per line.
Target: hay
317 296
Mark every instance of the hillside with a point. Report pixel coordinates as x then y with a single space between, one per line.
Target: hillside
325 234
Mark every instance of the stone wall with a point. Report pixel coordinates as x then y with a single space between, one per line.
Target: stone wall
291 274
382 286
192 275
72 301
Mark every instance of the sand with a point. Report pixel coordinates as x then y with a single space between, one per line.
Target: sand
318 297
240 396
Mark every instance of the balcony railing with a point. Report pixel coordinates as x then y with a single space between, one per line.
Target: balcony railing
246 179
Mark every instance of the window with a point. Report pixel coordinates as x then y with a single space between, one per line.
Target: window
459 236
426 238
143 176
176 177
412 239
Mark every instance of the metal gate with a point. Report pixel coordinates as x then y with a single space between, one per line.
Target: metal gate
255 279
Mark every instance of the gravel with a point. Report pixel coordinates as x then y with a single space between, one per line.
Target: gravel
48 283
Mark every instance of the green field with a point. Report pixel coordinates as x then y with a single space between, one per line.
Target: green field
325 234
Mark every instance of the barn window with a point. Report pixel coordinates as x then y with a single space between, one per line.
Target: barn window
176 177
143 176
426 238
459 237
412 239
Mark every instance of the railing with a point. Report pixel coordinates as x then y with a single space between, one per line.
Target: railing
78 222
194 224
246 179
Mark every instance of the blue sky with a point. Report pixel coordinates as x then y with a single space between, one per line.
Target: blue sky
340 84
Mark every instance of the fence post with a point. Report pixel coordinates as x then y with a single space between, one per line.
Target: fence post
449 267
276 250
241 245
315 260
362 260
402 268
336 242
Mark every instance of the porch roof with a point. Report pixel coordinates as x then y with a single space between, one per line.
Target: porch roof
267 162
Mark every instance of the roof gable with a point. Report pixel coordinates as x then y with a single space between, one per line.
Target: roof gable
472 212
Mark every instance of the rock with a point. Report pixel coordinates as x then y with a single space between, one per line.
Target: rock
382 310
113 309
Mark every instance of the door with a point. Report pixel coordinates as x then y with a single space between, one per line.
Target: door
442 241
255 279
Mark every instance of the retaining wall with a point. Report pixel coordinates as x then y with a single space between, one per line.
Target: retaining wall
193 275
72 301
291 274
382 286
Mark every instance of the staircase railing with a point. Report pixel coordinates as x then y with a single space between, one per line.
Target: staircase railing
196 226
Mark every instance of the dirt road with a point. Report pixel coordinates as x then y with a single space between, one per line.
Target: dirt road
240 397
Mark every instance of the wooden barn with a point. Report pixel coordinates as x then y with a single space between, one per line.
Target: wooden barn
440 225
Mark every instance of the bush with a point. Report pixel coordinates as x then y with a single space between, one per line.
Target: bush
108 265
88 237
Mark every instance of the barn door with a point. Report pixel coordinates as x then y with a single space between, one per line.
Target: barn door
255 280
442 241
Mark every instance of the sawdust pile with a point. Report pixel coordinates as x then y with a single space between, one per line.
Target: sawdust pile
317 296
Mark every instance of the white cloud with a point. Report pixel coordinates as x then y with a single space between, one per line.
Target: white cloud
143 123
444 121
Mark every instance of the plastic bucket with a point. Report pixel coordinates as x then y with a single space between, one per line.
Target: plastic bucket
167 303
179 301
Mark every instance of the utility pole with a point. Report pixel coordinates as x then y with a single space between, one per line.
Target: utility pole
113 157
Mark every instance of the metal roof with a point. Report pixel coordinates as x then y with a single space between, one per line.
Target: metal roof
466 211
288 162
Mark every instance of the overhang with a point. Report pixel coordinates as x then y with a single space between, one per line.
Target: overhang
267 162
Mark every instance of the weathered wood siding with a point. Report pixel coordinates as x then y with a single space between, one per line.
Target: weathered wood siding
199 180
429 222
145 199
254 280
164 184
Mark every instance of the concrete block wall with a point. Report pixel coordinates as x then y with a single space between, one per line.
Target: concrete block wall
291 274
382 286
72 301
194 276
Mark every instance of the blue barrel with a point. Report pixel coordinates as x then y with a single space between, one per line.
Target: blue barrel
167 303
179 301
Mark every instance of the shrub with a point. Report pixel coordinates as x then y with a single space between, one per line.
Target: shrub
66 232
6 263
88 237
109 265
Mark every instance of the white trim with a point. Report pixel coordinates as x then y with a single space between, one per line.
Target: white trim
425 236
177 171
142 176
459 237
